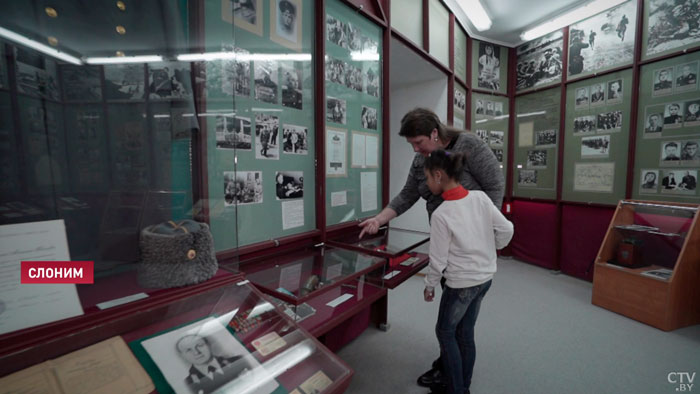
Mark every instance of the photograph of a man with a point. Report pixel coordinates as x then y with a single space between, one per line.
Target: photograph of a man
670 152
286 28
669 182
654 123
690 151
673 115
663 81
689 181
687 76
203 357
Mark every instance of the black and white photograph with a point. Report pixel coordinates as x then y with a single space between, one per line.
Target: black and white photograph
335 31
672 24
686 77
201 357
584 124
353 37
537 158
489 76
692 113
233 132
479 107
595 146
540 61
670 180
353 77
36 75
527 178
614 91
582 98
371 78
483 134
546 138
335 71
369 118
671 151
295 140
266 81
499 154
247 14
169 80
243 187
654 123
604 40
673 115
236 74
649 181
459 100
690 153
291 85
489 108
689 180
680 181
81 83
267 137
609 121
598 95
663 82
336 110
497 108
285 23
124 82
369 45
496 138
289 184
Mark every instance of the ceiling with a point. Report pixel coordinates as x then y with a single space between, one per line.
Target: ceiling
512 17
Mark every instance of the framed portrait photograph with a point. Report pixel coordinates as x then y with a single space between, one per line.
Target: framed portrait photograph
692 113
295 140
204 357
286 22
246 14
291 86
686 77
336 110
670 152
289 184
673 115
582 98
654 123
598 95
489 76
615 91
690 153
267 137
266 81
369 118
371 76
649 181
663 82
595 146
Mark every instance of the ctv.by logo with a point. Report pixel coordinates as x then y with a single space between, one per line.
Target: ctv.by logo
684 380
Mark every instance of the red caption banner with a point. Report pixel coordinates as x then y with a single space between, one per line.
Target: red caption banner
78 272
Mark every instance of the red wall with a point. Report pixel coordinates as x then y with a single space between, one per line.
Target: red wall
582 232
535 235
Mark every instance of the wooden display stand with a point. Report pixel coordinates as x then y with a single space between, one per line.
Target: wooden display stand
666 304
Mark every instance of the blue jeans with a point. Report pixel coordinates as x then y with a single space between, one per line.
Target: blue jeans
459 309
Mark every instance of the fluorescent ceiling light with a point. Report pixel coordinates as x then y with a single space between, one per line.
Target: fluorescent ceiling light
20 39
211 56
208 56
530 114
476 13
364 56
592 8
124 59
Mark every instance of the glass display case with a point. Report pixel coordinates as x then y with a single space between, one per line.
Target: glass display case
395 245
322 286
258 347
647 265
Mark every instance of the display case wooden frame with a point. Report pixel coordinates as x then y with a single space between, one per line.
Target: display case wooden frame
664 304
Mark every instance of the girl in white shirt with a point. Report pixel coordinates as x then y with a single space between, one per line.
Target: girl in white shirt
465 231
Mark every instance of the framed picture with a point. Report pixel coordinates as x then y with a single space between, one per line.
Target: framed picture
649 181
286 22
686 77
663 82
289 184
615 91
267 137
582 98
246 14
539 61
489 66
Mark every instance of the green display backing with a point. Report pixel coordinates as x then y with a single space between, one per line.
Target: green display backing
460 53
244 224
493 123
619 141
503 67
407 19
649 146
663 48
542 109
439 25
354 100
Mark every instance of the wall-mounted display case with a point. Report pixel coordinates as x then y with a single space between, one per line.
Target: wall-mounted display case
647 268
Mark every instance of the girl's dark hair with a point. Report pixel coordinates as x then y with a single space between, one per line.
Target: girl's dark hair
422 121
450 162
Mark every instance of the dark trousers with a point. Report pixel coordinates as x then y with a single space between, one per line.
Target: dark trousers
459 309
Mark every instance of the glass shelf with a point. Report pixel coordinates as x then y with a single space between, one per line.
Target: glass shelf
388 242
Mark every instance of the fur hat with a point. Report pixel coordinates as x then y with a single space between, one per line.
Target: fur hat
176 254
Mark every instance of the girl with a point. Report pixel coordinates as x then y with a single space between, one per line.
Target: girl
465 231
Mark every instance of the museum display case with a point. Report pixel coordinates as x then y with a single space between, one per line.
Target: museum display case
647 268
320 287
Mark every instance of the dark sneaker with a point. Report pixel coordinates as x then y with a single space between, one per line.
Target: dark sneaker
429 378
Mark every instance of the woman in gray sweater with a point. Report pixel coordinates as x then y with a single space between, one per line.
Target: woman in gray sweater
423 130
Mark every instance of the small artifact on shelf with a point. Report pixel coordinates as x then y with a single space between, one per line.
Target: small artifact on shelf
636 227
628 254
661 273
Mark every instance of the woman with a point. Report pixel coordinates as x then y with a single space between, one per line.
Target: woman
649 181
488 69
423 130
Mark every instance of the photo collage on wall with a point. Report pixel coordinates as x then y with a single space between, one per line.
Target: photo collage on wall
352 72
264 136
540 61
603 41
486 111
459 110
672 24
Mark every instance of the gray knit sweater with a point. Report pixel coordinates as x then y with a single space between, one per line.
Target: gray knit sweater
482 172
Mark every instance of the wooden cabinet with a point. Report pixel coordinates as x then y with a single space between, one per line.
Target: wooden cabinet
659 284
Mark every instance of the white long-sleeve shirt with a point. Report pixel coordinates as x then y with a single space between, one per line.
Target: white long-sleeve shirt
464 235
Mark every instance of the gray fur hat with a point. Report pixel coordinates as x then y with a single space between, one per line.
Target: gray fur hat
176 254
